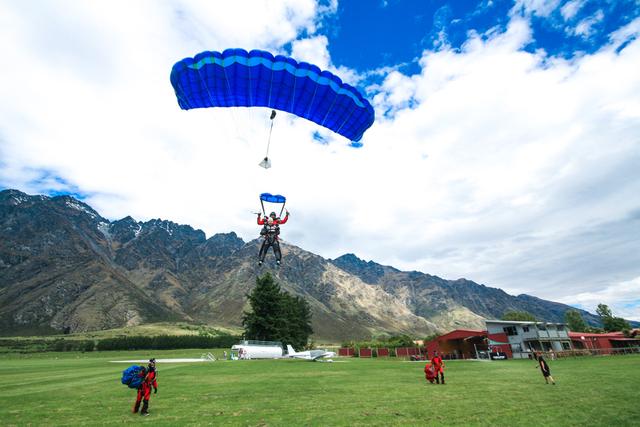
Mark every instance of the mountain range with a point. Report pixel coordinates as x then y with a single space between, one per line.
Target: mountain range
65 268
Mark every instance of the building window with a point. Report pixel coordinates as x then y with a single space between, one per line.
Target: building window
542 327
525 329
561 327
566 346
510 330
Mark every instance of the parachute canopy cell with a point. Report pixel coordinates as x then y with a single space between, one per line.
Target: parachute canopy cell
272 198
237 78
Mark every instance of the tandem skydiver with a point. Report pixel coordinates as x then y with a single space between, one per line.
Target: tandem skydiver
270 232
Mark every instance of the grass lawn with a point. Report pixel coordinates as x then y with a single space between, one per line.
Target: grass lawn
77 388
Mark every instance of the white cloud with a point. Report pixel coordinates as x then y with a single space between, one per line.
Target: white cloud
623 298
541 8
507 167
312 50
570 9
585 28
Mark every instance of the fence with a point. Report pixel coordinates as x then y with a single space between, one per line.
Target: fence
382 352
365 352
345 351
552 355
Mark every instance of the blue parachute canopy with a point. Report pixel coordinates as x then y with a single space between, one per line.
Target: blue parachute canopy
272 198
237 78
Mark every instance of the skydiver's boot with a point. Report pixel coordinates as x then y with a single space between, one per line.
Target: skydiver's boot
277 263
442 377
145 408
259 263
437 379
136 407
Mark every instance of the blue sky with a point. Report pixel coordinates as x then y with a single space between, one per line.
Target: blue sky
366 35
505 148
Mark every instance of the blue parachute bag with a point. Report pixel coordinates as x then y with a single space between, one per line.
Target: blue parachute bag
132 377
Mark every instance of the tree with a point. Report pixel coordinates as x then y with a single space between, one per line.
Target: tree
297 325
574 321
603 310
609 322
264 322
277 315
519 316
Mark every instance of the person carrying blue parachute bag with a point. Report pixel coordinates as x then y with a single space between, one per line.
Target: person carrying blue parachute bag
271 227
133 376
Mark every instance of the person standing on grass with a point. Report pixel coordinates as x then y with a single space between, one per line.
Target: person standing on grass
544 367
429 372
144 391
438 367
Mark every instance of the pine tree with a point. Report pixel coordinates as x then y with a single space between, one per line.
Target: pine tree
264 321
574 321
277 315
610 323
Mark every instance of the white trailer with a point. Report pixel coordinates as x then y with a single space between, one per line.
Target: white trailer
257 350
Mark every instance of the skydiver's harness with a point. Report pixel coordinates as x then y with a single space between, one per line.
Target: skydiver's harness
270 232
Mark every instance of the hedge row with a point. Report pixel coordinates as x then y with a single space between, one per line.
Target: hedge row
160 342
166 342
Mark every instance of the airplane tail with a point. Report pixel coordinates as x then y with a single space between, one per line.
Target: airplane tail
290 349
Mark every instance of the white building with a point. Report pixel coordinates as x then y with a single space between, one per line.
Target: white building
527 337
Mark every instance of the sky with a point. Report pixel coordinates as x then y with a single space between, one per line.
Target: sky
506 146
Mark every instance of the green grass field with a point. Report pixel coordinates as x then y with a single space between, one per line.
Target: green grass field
76 389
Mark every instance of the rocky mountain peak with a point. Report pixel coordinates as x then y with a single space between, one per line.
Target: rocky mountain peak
15 197
221 244
368 272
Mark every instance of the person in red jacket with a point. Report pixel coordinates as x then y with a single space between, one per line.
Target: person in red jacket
270 232
144 391
438 367
429 372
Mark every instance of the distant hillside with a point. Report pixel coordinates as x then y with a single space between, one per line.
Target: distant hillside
65 268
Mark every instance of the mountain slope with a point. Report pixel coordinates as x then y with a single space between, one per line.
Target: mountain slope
65 268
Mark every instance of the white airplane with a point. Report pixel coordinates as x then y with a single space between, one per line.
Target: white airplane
313 355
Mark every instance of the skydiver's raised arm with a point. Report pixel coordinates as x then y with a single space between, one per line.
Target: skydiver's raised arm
285 219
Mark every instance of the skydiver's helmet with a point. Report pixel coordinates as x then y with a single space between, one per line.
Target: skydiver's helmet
273 215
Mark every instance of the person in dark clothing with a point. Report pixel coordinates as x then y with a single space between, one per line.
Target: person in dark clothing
544 368
270 232
438 367
144 391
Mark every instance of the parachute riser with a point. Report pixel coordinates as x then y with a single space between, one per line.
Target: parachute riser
266 163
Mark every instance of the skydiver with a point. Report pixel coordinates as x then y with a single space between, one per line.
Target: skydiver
270 232
144 391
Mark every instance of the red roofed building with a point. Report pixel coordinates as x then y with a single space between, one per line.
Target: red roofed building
606 343
466 343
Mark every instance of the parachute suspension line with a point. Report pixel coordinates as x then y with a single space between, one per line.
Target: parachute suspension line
329 109
270 87
345 120
249 90
263 211
233 114
180 95
293 95
282 209
315 90
266 163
